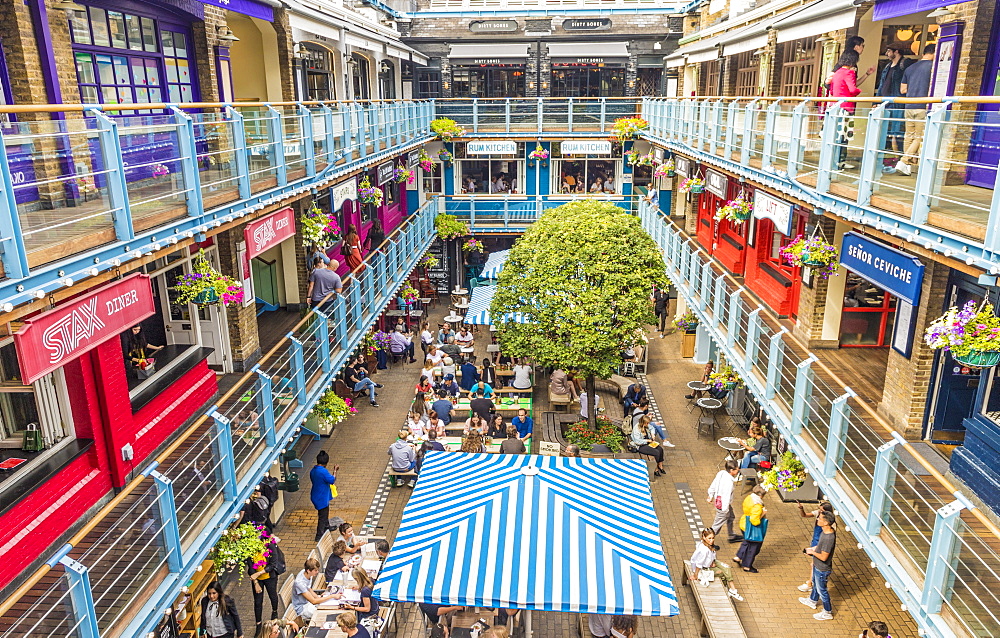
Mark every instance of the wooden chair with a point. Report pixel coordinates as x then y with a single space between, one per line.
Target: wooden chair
292 615
285 591
325 546
319 581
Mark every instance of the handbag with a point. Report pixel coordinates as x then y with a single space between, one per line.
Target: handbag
754 533
333 491
718 502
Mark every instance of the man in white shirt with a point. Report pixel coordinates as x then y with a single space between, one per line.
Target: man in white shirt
465 338
720 495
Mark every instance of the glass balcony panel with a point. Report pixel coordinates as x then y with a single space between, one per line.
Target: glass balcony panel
262 151
153 177
214 143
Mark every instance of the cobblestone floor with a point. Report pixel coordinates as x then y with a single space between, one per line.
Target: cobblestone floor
771 606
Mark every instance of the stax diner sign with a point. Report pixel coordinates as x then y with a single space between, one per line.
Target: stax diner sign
264 234
53 338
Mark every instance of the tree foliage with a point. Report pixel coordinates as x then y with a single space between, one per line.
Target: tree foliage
581 276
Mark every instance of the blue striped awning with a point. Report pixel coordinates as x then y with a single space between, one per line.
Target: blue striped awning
494 264
530 532
478 311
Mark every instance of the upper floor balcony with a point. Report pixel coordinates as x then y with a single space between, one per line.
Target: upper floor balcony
431 8
923 172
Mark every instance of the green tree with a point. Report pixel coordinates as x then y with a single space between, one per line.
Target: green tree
581 277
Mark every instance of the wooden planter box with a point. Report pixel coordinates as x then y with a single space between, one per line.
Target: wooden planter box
687 345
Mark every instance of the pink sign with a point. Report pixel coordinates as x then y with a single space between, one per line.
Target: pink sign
269 232
48 341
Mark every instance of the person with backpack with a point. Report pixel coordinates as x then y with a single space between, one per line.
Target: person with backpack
264 570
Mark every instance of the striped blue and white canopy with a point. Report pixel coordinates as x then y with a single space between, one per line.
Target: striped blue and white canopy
530 532
478 311
494 264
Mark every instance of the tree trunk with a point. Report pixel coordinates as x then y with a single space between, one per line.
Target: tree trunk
591 401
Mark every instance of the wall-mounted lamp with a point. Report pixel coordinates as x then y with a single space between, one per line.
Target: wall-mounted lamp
69 8
226 34
759 52
446 85
531 84
545 86
384 67
631 84
300 51
657 46
941 12
821 39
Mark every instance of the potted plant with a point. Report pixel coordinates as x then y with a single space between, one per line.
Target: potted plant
971 336
332 409
317 227
814 252
403 174
424 160
692 185
369 194
428 262
666 169
206 286
446 129
725 378
788 476
686 322
628 128
408 294
539 153
450 227
445 156
473 245
381 340
607 433
159 170
648 160
735 210
240 544
632 157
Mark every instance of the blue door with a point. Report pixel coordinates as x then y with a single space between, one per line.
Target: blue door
957 384
984 151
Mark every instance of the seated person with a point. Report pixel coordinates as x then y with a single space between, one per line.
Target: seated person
524 425
709 368
633 395
497 426
444 333
449 386
443 407
485 387
335 565
478 423
464 338
448 367
435 355
452 349
403 457
304 599
424 386
512 444
759 451
440 615
435 427
470 375
417 424
560 384
482 406
401 343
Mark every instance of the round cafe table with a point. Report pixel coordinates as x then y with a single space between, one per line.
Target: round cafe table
698 386
459 291
455 319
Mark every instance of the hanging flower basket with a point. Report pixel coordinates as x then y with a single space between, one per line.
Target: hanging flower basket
473 245
369 194
408 294
239 544
403 174
735 210
445 156
971 336
815 253
318 228
686 322
206 286
788 474
446 129
539 153
450 227
692 185
160 170
725 378
382 341
666 169
628 128
428 261
425 161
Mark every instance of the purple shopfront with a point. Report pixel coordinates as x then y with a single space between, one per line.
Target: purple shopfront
389 214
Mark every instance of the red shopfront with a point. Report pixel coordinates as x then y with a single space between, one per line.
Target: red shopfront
73 358
775 223
725 240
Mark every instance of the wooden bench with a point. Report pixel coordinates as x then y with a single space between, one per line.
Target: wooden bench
718 615
560 402
623 383
393 474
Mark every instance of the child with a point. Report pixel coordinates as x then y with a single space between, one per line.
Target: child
704 558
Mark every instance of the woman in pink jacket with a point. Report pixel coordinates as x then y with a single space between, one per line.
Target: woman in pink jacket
844 83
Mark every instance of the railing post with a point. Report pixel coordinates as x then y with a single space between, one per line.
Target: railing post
265 405
363 125
506 114
720 291
340 322
770 121
298 369
355 294
81 598
111 156
475 115
240 151
749 117
828 151
803 394
368 283
187 144
883 486
275 131
753 334
323 337
12 250
732 325
604 113
331 139
308 149
223 450
875 130
170 531
345 136
992 240
540 114
569 115
941 559
706 284
715 126
775 356
795 139
837 435
927 165
727 151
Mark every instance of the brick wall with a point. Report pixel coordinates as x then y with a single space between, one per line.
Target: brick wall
812 300
908 381
244 340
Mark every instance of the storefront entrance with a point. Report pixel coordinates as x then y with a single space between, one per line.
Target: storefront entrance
984 152
868 315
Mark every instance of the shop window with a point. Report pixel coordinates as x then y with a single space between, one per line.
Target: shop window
124 58
869 314
586 175
318 65
713 77
798 68
432 181
493 174
428 83
391 190
387 80
360 76
915 36
746 74
576 80
488 81
41 406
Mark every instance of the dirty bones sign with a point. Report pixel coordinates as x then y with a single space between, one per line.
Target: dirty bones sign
53 338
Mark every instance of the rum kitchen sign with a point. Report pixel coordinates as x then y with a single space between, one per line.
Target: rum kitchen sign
52 339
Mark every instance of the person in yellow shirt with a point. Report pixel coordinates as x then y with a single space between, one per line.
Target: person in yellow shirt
754 516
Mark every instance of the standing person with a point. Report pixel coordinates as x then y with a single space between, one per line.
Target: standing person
219 618
844 84
916 82
322 491
375 236
585 400
470 375
264 571
753 522
817 530
317 251
888 86
660 302
426 338
139 351
599 625
323 281
720 495
704 558
488 375
822 557
350 248
643 443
